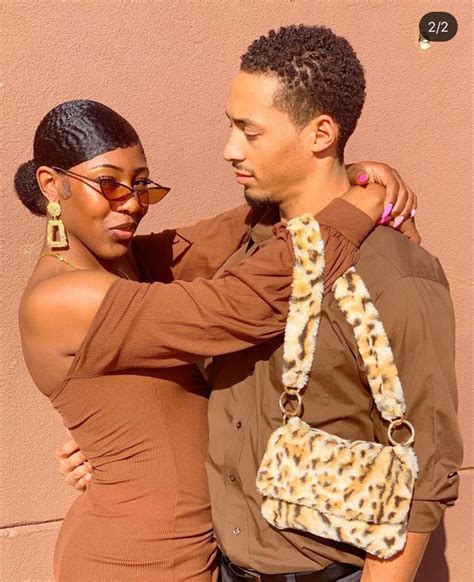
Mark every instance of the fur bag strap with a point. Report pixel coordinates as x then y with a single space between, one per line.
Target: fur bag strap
360 312
304 311
372 342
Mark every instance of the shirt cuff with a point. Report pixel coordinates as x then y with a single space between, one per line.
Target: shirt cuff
351 223
425 515
347 219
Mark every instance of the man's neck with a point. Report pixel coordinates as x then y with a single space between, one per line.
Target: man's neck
317 191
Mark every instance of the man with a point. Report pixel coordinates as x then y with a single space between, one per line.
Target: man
292 107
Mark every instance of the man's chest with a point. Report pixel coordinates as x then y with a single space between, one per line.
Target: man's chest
244 405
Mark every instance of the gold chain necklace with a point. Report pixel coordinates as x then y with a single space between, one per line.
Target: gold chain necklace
60 257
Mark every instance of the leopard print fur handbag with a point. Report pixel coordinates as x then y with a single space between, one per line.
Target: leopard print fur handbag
356 492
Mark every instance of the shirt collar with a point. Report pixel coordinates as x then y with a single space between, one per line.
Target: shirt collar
261 226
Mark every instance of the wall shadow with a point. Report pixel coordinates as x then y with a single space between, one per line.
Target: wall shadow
434 567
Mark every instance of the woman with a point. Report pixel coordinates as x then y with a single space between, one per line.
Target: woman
145 515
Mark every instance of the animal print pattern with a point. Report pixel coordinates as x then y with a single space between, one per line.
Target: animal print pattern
372 342
356 492
305 302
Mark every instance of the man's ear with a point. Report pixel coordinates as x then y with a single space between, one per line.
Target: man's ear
323 133
49 183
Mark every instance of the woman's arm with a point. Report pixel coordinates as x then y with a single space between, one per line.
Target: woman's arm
158 325
199 250
193 251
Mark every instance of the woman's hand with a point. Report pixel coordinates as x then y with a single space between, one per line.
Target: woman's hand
400 202
73 465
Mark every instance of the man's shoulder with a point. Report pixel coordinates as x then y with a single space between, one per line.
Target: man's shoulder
386 256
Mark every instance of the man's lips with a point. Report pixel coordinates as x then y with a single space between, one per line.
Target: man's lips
242 178
239 172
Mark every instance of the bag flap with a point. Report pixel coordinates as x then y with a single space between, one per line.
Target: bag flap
352 479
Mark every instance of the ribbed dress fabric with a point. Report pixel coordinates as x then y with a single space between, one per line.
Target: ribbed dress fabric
146 513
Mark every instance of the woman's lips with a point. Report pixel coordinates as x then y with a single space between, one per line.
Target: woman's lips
123 232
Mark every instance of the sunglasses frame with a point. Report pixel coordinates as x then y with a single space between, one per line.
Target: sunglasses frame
125 197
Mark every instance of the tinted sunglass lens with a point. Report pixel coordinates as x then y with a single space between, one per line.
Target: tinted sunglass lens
143 197
113 191
148 195
157 194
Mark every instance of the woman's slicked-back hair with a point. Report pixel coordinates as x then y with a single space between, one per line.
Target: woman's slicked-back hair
71 133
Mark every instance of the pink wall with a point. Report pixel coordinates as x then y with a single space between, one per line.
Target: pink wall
165 65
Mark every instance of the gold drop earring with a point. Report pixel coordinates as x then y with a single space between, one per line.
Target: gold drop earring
57 238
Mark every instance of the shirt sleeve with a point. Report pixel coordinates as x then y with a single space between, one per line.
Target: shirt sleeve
192 251
164 325
418 317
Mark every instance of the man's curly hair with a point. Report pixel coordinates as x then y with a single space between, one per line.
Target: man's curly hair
319 73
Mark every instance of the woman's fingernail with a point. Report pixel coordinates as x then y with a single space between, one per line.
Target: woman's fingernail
384 220
413 213
363 177
397 222
88 477
386 211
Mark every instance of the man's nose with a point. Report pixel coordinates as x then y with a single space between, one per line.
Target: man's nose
233 152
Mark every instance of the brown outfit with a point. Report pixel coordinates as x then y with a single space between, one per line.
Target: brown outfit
141 421
411 293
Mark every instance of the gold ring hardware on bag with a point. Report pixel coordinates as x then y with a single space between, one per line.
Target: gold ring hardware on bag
287 395
397 423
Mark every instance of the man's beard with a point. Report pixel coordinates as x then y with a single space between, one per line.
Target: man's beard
258 202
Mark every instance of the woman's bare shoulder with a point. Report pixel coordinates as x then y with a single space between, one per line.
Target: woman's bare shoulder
53 304
54 316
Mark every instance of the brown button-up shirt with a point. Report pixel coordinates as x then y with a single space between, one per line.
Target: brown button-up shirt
411 293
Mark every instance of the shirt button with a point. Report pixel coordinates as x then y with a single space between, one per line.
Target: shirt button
238 425
236 531
232 478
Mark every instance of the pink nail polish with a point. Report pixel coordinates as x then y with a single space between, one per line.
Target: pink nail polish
363 177
383 221
387 210
413 213
397 222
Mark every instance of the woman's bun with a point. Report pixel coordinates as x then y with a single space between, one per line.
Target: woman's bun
28 190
